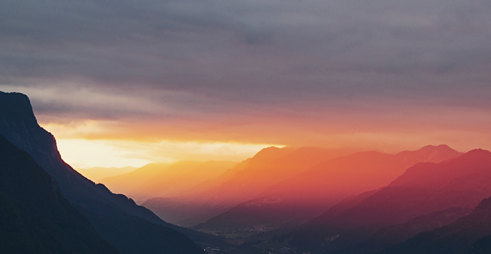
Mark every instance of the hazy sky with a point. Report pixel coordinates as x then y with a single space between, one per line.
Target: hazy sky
387 73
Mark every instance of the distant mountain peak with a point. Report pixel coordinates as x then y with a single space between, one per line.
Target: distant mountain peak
442 148
436 147
477 153
269 149
270 152
433 153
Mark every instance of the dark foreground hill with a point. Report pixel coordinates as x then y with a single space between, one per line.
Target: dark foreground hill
118 220
469 234
34 217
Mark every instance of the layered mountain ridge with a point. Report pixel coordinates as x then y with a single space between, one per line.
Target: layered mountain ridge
427 196
304 195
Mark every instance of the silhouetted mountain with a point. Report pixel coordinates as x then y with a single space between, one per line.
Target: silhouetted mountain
118 220
34 217
426 190
400 232
393 234
303 196
469 234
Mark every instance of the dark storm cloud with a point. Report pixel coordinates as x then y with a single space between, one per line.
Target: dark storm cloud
219 55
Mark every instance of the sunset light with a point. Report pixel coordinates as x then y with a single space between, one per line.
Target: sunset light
245 127
82 153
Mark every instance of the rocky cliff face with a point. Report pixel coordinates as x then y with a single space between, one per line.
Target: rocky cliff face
19 125
116 218
33 213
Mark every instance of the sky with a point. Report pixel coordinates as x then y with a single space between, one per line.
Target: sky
148 80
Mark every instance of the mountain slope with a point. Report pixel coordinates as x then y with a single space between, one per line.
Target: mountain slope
34 217
128 227
469 234
305 195
426 190
241 183
267 168
350 175
166 180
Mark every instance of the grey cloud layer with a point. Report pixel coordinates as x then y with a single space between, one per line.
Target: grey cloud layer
233 54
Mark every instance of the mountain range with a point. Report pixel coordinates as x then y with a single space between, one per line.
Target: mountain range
468 234
287 200
426 197
302 197
240 183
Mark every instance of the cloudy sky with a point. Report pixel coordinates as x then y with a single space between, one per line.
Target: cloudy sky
235 76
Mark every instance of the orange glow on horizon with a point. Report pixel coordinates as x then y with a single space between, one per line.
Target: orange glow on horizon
92 143
82 153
